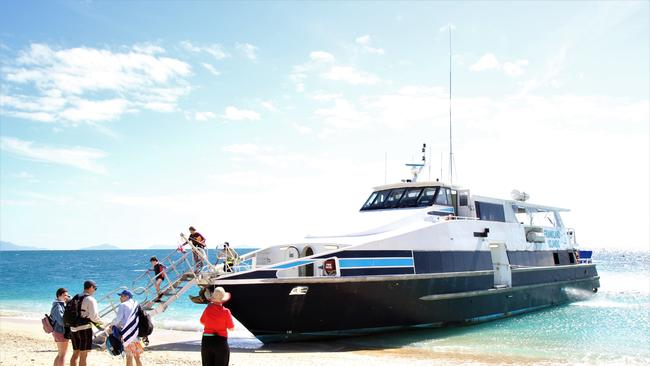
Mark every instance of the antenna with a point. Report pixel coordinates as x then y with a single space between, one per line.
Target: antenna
451 151
416 168
429 165
385 167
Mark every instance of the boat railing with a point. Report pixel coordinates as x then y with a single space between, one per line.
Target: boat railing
180 272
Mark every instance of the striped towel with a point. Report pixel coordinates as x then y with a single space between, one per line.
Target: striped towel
130 331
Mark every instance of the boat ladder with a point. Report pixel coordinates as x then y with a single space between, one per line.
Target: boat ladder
181 275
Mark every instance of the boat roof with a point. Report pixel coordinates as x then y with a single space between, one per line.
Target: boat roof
521 204
415 185
482 198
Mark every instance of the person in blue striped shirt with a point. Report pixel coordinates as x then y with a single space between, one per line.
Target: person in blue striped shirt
127 322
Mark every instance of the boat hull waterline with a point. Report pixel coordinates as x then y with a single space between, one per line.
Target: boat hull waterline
321 308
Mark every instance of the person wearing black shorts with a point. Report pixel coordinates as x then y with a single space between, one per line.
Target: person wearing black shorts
82 333
159 275
82 340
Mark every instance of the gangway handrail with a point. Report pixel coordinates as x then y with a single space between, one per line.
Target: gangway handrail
181 276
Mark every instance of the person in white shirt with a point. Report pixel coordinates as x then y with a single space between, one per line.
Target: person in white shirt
127 322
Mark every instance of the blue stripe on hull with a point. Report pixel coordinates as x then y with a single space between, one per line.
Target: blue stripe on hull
376 262
370 271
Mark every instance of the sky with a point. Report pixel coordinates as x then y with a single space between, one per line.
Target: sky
261 122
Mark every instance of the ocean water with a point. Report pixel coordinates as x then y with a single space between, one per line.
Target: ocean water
611 327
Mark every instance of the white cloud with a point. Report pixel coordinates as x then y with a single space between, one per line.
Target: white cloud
447 27
248 50
303 130
351 75
89 85
148 48
204 116
514 68
244 149
342 115
486 62
490 62
269 106
235 114
210 68
91 111
364 42
321 56
78 157
214 49
322 96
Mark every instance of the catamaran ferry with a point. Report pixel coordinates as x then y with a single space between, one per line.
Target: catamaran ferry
437 255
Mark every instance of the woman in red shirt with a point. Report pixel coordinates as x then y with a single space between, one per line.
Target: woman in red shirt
217 321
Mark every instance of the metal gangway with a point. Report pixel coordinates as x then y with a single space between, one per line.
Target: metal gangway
181 275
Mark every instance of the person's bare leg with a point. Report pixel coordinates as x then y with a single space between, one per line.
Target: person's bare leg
74 358
82 358
129 360
62 348
137 360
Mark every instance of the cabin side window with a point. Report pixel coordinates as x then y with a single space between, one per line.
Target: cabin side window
490 211
444 197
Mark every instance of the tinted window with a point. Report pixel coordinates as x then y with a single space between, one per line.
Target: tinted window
443 197
381 199
394 197
410 198
463 199
370 200
426 198
490 211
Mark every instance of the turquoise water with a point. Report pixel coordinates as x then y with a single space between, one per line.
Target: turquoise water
612 327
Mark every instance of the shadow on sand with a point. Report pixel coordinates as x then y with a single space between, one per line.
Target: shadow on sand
384 341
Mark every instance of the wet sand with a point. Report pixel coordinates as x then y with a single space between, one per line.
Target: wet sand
23 342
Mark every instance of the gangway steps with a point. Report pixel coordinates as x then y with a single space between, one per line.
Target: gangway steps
180 277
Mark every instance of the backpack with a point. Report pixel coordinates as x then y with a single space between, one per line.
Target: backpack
114 344
72 314
145 325
48 324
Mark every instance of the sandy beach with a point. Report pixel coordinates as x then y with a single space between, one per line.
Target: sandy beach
22 342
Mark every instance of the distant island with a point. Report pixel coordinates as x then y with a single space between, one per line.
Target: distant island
101 247
6 246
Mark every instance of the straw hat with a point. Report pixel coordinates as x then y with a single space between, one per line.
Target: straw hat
220 295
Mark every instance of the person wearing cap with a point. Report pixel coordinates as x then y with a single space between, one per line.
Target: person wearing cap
82 335
127 322
217 321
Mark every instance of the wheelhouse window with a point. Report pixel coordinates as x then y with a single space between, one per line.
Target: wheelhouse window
394 198
427 196
410 198
400 198
443 197
370 200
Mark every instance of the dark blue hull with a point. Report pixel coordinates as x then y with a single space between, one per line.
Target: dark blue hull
347 306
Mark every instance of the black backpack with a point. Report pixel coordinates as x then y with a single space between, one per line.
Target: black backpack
145 325
72 313
114 344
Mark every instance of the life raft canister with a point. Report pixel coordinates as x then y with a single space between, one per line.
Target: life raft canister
329 267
